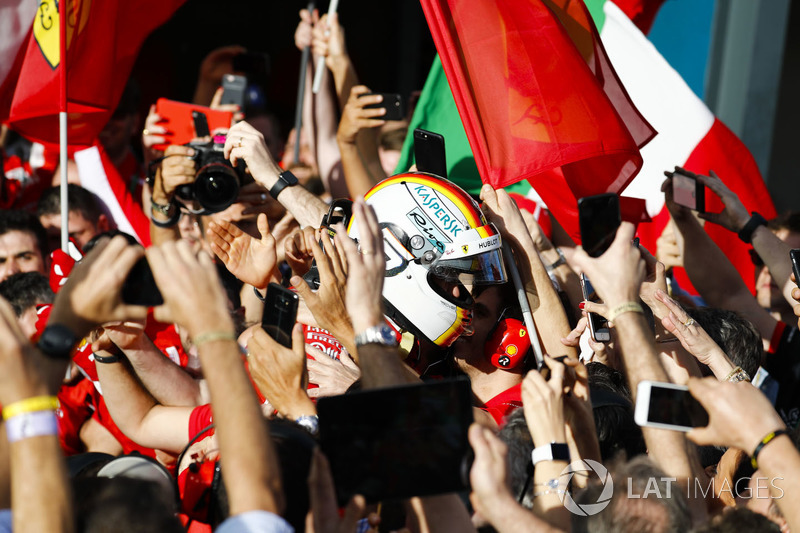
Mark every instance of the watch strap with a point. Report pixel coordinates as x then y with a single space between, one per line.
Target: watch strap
380 334
57 341
746 233
555 451
285 179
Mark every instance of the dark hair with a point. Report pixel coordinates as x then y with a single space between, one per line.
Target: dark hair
737 336
789 220
617 432
122 505
79 200
518 440
16 220
26 289
636 515
735 519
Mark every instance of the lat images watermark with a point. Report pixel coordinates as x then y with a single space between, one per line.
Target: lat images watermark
587 466
663 487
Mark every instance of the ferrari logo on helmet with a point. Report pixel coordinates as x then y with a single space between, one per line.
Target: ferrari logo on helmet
465 248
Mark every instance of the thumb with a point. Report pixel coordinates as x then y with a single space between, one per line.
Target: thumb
263 225
302 288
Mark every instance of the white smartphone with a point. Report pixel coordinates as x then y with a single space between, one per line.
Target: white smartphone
668 406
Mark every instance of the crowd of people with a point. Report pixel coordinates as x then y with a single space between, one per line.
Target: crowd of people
140 392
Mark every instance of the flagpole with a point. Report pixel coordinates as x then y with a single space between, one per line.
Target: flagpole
301 91
62 121
334 5
524 305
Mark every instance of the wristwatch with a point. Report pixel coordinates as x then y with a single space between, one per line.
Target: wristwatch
555 451
309 422
560 261
285 179
381 334
57 341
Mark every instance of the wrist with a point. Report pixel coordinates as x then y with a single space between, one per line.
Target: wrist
361 324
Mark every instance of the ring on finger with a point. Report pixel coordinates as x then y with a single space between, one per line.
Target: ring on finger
366 252
263 197
689 322
240 142
146 132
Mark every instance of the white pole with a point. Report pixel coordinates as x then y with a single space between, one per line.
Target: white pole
62 124
321 60
524 305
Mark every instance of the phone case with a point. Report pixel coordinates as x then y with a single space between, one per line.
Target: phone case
393 103
177 118
598 218
794 255
429 153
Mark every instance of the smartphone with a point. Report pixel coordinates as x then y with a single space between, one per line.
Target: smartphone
393 103
668 406
688 191
200 124
177 118
598 218
280 313
140 286
794 255
598 326
429 152
233 90
398 442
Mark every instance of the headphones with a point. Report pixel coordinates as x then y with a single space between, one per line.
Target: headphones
508 343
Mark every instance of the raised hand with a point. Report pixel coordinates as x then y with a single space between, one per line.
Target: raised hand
280 372
251 260
332 376
355 117
327 304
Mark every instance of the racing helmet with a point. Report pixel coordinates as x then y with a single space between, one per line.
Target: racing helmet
436 240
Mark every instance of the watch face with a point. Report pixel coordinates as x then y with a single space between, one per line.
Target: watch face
387 335
289 178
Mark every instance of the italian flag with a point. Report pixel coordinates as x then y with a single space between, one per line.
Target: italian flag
689 135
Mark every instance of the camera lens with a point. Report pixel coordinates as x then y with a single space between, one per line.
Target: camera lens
216 187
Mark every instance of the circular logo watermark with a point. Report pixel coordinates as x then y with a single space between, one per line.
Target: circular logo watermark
587 509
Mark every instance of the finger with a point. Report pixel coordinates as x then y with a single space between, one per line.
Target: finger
321 491
332 255
263 227
557 372
303 289
217 98
592 307
352 513
298 341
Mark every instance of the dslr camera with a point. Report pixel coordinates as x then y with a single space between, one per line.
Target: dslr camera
216 183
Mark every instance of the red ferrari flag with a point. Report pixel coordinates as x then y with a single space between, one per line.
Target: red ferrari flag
539 98
103 40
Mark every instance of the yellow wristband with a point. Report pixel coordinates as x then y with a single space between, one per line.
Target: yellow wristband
212 336
627 307
30 405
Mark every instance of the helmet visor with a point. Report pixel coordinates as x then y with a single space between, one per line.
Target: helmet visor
481 269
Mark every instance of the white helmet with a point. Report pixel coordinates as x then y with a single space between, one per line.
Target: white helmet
435 238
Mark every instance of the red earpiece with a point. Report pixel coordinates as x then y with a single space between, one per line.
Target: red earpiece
509 343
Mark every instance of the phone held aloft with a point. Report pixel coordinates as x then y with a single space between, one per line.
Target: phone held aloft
687 191
598 219
280 313
598 325
668 406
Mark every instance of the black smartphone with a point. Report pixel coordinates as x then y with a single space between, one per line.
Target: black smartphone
200 124
429 152
794 255
598 218
233 89
668 406
140 287
598 325
280 313
398 442
688 191
393 103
